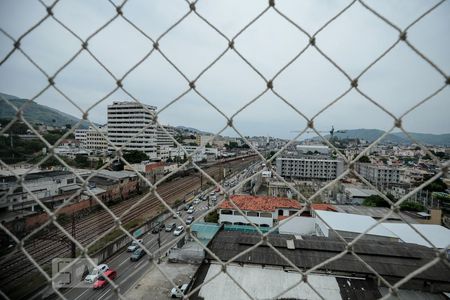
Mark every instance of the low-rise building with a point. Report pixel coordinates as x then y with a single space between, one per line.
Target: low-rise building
378 175
309 168
262 211
51 187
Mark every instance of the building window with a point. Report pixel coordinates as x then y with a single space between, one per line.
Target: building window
252 214
226 212
265 215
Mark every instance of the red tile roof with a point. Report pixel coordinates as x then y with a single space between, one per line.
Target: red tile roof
260 203
322 206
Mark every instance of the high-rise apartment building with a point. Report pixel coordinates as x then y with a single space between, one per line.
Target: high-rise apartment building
126 120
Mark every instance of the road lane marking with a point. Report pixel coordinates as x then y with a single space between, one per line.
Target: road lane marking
104 294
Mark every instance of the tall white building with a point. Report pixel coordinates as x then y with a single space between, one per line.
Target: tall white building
126 120
164 140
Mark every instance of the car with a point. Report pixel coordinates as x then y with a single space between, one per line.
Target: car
137 254
102 281
189 219
179 293
191 210
179 230
134 245
196 201
157 227
212 193
96 272
213 198
187 206
170 227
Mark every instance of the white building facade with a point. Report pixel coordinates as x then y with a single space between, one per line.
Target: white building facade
126 120
309 168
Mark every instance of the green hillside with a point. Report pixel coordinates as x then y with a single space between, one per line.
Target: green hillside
36 113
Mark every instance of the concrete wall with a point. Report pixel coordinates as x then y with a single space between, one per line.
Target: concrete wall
238 218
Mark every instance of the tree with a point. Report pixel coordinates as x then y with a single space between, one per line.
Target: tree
81 161
134 156
99 163
212 217
378 201
364 159
411 206
208 145
436 186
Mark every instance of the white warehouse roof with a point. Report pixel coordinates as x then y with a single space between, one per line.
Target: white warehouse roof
353 223
436 234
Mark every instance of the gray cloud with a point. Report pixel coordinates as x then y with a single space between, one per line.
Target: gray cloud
397 82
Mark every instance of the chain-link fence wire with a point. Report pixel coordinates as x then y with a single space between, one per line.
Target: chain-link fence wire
269 87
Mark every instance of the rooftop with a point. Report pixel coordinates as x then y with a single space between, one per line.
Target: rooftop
36 176
260 203
353 223
438 235
375 212
392 260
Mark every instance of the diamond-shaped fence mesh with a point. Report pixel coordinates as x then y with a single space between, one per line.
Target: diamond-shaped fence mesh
82 235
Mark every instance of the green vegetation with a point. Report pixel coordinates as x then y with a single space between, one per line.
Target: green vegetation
364 159
378 201
14 149
134 156
411 206
115 234
212 217
436 186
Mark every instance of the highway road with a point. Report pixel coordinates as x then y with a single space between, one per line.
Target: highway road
128 272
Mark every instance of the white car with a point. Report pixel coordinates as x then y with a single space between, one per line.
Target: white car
196 201
179 230
191 210
96 272
134 245
178 293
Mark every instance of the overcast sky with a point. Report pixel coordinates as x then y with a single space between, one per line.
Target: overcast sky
353 41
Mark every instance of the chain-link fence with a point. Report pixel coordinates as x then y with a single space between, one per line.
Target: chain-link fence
118 219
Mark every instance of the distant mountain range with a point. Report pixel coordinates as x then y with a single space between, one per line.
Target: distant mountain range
37 113
395 137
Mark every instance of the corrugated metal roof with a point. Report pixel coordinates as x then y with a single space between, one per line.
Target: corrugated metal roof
392 259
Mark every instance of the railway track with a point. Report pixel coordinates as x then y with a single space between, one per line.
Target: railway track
43 251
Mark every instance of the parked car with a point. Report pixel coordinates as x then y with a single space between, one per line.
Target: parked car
137 254
179 293
189 219
134 245
191 210
157 227
187 206
102 281
196 201
96 272
179 230
170 227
